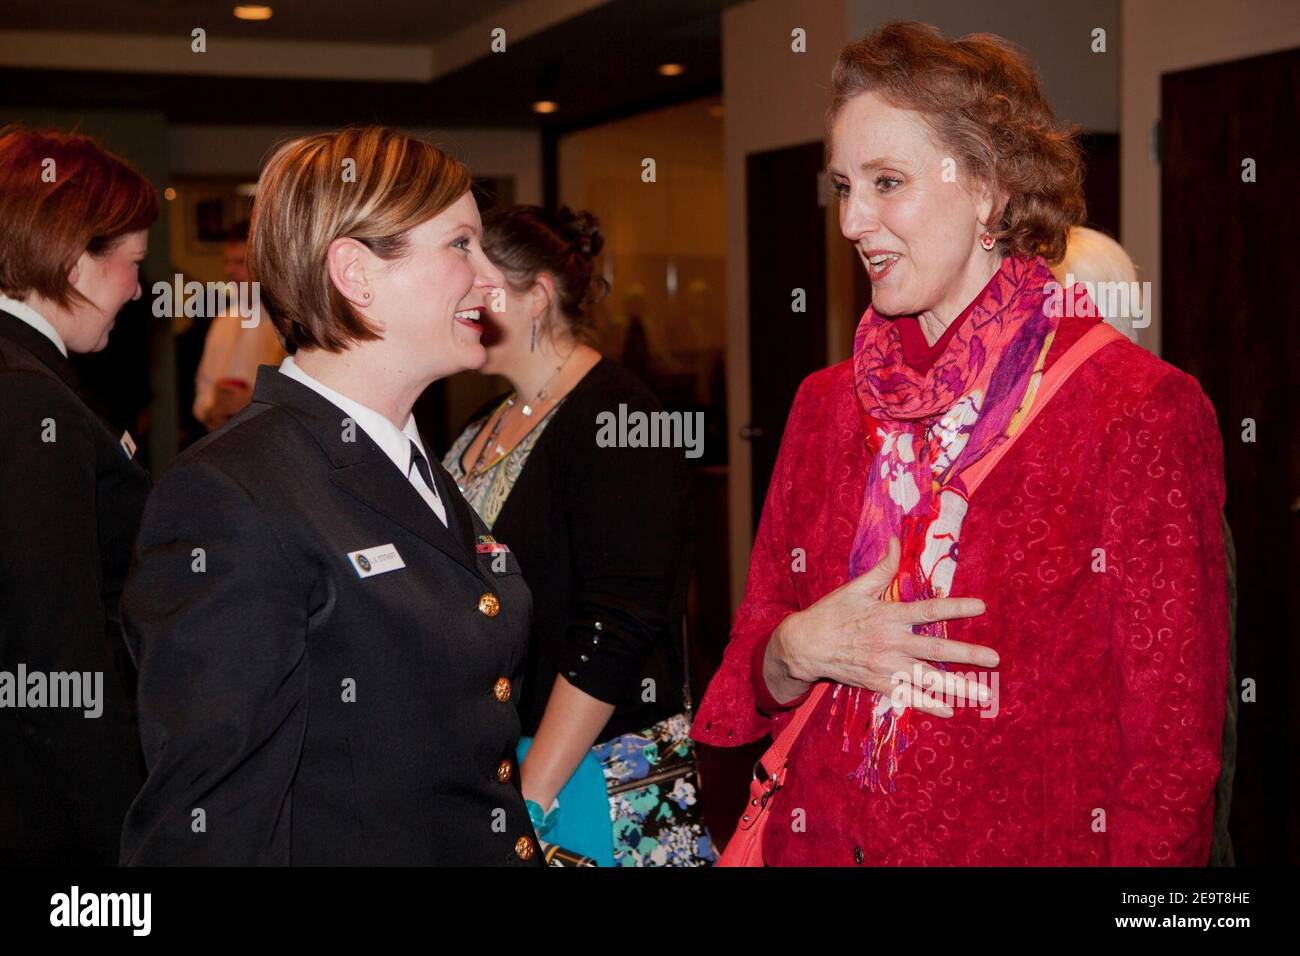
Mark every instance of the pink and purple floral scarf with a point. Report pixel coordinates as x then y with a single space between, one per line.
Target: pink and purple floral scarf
923 430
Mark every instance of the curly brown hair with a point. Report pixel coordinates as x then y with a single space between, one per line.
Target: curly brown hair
981 98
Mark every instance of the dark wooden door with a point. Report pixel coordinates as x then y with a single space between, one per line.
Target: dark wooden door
787 251
1229 317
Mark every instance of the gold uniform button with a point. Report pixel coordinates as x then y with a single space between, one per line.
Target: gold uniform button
524 848
503 771
489 604
501 689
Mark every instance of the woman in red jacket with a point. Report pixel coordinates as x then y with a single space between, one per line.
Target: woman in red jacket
1029 672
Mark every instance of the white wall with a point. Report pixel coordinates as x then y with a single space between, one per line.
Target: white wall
220 150
1162 36
771 97
1082 86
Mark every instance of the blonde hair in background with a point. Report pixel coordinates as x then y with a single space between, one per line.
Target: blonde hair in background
368 183
1094 257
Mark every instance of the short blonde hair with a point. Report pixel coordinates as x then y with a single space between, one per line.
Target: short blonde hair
369 183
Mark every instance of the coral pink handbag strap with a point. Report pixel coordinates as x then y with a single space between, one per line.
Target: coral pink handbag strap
1056 375
746 846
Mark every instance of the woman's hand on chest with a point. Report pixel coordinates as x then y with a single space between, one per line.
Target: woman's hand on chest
853 637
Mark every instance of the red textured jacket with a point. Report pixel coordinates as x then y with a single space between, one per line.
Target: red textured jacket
1105 746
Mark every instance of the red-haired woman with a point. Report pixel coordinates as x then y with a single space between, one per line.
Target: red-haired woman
1029 672
73 221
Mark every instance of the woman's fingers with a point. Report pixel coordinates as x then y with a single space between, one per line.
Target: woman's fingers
932 610
950 686
907 694
912 682
934 691
930 648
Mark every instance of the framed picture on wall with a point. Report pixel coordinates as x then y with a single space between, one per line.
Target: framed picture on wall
210 224
210 207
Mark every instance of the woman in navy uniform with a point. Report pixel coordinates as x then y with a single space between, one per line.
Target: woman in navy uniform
329 642
73 221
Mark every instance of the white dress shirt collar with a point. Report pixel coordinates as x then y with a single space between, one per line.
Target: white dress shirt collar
33 318
395 442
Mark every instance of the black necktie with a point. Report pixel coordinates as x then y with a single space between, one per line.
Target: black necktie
422 466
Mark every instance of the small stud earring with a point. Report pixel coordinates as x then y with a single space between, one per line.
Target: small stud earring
986 242
366 296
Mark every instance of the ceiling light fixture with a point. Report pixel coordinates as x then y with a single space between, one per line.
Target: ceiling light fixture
545 106
252 12
671 69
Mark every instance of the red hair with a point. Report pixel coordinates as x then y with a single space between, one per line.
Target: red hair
981 98
63 195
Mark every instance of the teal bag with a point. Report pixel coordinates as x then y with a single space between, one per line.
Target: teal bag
583 826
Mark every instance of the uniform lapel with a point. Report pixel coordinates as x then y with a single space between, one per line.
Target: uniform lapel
376 483
363 470
40 348
53 363
460 517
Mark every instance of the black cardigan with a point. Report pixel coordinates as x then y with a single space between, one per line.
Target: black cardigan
602 535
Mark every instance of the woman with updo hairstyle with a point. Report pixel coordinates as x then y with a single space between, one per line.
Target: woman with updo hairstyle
1005 643
602 532
74 228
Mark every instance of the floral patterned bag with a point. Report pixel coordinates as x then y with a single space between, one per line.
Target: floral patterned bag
653 784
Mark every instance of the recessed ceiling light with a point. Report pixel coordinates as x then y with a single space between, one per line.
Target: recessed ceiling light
545 106
671 69
252 12
169 194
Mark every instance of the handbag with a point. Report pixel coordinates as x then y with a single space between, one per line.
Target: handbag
652 789
745 848
653 780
